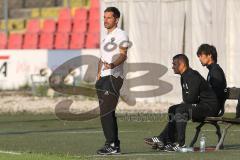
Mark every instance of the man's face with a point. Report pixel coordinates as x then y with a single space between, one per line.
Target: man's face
176 65
109 20
205 59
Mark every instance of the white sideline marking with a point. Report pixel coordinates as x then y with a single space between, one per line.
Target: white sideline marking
10 152
212 130
83 132
134 154
75 132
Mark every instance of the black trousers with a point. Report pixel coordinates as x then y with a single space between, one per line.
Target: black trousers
178 117
108 94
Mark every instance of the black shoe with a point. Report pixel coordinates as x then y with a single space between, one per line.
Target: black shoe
174 147
155 142
109 149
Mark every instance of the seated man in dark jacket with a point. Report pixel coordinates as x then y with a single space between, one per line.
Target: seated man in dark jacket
207 55
199 101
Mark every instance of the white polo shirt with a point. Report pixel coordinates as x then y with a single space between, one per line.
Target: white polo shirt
109 51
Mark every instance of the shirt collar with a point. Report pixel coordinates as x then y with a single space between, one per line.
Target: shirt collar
115 30
211 66
185 73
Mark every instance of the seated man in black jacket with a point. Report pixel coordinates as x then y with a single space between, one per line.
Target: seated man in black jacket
199 101
207 55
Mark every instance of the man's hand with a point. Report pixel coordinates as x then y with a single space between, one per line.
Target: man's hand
98 76
100 63
108 65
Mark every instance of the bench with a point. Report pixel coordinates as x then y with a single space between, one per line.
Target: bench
232 94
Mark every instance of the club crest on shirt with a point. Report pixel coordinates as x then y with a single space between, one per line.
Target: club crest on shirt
112 40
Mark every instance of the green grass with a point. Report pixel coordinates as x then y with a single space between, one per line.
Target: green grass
46 137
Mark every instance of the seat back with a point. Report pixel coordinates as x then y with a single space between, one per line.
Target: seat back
62 41
64 26
3 40
93 40
94 14
94 26
238 108
77 41
46 40
81 14
49 26
30 41
65 14
95 3
234 93
15 41
79 26
33 26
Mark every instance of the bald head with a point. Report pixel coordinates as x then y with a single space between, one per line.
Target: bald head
180 63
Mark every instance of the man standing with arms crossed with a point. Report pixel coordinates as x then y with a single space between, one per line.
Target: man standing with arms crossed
113 50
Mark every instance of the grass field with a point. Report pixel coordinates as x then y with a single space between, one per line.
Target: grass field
26 136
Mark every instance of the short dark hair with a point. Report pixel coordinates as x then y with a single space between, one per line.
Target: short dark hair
183 58
207 49
116 12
